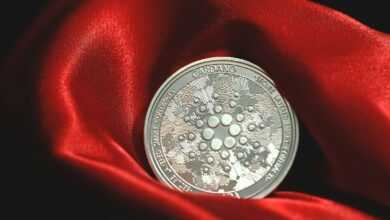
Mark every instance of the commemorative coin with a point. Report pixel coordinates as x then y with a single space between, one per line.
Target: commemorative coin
219 125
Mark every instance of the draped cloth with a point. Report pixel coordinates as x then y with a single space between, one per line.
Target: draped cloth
96 64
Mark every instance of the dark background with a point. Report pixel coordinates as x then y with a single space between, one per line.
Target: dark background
40 187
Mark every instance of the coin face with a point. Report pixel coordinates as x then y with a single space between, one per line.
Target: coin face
219 125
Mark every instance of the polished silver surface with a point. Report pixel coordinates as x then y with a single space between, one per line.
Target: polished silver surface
219 125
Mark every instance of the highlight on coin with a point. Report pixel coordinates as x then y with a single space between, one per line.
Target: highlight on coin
220 126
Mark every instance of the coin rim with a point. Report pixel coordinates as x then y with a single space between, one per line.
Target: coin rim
295 126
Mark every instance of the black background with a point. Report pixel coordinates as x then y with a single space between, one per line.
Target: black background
39 187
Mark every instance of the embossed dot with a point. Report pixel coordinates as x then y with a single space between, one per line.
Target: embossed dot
229 142
202 146
246 163
216 144
215 95
202 108
224 154
243 140
192 154
213 121
199 123
251 127
256 144
210 159
240 117
232 103
236 94
240 155
181 137
226 168
205 169
261 125
234 129
196 100
191 136
250 108
208 133
226 119
218 109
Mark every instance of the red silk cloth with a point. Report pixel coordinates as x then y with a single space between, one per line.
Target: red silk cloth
99 63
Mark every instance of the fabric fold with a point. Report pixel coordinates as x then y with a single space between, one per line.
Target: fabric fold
103 61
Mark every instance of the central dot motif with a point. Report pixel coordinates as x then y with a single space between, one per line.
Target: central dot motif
222 132
221 146
216 133
227 139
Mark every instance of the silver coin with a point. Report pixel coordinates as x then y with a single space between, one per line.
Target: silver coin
219 125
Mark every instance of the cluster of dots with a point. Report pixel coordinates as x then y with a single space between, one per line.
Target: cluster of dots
232 124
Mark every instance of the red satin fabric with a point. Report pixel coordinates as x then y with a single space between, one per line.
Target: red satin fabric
104 60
